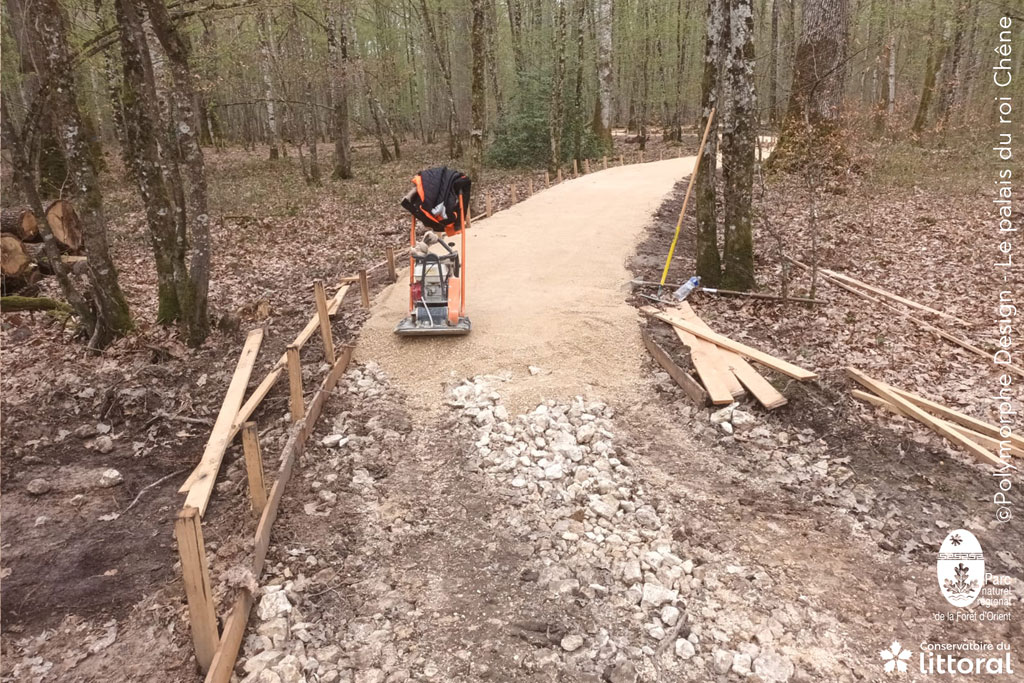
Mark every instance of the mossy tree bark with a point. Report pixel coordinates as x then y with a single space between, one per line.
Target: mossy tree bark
709 263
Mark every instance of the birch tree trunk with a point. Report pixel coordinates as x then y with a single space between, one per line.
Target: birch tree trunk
265 29
454 127
814 109
111 317
738 150
773 66
709 264
478 92
605 78
337 55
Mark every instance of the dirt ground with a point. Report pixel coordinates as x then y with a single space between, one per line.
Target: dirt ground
522 532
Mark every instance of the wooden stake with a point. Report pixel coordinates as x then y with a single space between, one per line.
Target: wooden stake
604 162
325 320
575 169
364 288
586 166
513 197
559 174
254 466
641 156
295 383
547 178
622 160
487 205
195 571
660 155
392 272
529 186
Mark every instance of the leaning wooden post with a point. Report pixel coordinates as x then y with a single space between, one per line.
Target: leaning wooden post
325 320
195 571
604 162
392 272
254 467
547 178
364 288
295 403
487 202
529 186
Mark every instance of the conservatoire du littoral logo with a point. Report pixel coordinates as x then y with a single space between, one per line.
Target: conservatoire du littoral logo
895 658
961 568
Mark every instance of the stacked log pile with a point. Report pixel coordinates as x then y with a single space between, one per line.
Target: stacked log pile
23 261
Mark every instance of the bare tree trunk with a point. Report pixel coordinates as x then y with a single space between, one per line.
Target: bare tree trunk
194 313
515 23
773 66
337 51
951 69
644 75
709 264
818 83
491 41
479 99
577 104
454 127
935 57
738 150
268 55
555 121
111 318
605 77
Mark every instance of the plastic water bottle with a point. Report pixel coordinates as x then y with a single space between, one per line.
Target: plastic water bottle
686 288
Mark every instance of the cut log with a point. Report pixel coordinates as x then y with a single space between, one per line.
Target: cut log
15 261
688 384
21 223
65 225
75 264
15 304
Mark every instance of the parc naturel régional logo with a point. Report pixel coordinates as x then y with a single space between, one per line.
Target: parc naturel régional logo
961 568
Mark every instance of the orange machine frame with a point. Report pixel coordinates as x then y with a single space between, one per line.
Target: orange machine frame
462 260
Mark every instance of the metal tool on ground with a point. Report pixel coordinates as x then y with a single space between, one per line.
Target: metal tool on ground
437 278
686 200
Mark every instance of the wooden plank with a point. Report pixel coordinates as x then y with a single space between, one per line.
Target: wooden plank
937 425
951 415
893 297
725 357
201 486
761 357
254 467
715 376
261 391
689 385
989 442
390 259
295 401
195 571
325 320
766 394
223 664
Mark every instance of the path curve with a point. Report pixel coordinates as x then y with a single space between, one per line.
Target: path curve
547 288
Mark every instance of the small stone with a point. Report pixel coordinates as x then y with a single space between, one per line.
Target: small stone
688 566
273 605
606 506
501 413
518 482
553 471
723 661
104 444
262 660
726 427
655 595
329 497
572 642
534 370
334 440
685 649
741 664
38 487
742 421
773 667
371 676
622 672
290 670
765 636
632 573
484 417
723 415
586 433
108 478
670 615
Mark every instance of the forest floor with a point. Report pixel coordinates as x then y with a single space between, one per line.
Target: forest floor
537 501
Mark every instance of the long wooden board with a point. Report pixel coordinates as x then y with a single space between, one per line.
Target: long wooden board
224 659
767 395
206 473
713 374
893 297
722 355
919 414
261 391
992 443
688 384
761 357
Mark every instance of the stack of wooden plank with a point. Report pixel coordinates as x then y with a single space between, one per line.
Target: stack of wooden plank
973 435
721 363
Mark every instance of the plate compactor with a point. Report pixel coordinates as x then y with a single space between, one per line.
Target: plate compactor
437 272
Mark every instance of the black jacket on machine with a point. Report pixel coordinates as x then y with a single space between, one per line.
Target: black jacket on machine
435 199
